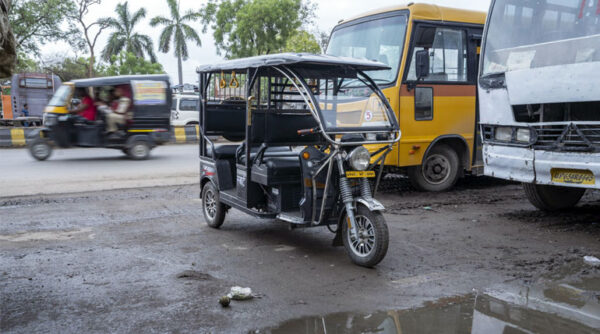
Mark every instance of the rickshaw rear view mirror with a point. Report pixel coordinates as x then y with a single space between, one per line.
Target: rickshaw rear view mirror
422 63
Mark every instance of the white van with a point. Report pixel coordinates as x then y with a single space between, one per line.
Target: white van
184 110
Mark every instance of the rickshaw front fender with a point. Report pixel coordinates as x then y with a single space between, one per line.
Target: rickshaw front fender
39 133
371 204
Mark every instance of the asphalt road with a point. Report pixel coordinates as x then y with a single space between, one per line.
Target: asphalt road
475 260
92 169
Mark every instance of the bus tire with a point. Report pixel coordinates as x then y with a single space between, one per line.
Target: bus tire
40 149
214 211
439 171
552 198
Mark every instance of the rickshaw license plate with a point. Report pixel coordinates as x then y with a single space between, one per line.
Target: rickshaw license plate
573 176
356 174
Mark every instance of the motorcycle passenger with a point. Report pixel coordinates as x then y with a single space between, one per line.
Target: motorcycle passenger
118 111
87 107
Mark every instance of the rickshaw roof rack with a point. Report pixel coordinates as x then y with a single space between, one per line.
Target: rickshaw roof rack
294 60
118 80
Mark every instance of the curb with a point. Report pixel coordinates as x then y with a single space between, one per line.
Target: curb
18 137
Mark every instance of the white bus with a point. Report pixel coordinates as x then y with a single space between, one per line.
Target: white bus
539 97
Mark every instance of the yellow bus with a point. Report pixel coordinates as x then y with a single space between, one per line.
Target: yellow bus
433 55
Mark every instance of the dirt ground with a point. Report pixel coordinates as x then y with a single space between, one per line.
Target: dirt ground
143 260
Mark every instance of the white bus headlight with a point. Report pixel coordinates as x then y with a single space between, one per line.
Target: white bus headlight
503 134
524 135
359 158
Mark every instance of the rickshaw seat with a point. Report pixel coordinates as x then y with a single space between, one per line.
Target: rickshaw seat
223 151
277 170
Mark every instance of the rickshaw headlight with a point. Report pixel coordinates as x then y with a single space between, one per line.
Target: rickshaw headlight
359 158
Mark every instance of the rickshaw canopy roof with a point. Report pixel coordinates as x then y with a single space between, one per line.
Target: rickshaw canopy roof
118 80
301 60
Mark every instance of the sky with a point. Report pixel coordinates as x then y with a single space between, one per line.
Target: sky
328 13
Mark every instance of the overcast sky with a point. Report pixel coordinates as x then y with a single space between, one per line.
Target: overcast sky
329 12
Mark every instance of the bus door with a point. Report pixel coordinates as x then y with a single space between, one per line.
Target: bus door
445 99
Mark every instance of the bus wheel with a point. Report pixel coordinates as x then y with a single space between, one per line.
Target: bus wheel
439 171
552 198
214 211
40 149
373 241
140 150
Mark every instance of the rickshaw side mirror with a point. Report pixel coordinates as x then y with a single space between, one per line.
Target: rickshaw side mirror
422 63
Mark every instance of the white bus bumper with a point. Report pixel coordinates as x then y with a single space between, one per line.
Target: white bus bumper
530 166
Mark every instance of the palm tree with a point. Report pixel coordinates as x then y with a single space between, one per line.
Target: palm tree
124 38
178 31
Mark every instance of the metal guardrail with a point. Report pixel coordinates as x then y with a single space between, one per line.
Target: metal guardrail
18 137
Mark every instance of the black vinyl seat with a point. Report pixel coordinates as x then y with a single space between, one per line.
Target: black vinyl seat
275 171
223 151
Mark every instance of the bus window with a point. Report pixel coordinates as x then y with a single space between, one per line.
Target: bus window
379 39
527 34
448 51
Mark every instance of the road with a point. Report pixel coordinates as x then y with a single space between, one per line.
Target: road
143 260
92 169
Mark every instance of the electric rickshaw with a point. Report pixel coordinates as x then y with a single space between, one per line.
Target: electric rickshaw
301 123
147 121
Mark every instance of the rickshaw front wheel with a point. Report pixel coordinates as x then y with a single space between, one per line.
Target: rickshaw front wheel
214 211
40 149
373 237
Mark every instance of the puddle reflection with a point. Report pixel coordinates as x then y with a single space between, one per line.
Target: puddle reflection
553 308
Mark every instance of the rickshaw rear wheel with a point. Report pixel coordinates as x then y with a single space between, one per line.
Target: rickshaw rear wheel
139 150
40 149
214 211
372 245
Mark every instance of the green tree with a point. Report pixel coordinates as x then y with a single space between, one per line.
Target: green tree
27 64
244 28
8 51
124 38
69 68
302 41
36 22
178 31
127 63
90 30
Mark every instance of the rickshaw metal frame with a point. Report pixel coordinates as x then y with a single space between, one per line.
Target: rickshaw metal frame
313 107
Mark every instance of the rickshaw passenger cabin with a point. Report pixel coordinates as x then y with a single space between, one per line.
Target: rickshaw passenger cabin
299 123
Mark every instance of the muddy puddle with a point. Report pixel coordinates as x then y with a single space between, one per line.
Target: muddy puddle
554 306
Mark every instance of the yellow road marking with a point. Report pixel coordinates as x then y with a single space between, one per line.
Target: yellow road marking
180 135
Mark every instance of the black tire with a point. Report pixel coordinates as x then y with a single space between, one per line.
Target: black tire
439 171
139 150
40 149
552 198
214 211
377 230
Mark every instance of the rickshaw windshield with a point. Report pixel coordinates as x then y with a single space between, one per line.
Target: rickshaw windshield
61 96
351 103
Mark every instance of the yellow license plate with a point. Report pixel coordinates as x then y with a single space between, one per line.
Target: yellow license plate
573 176
356 175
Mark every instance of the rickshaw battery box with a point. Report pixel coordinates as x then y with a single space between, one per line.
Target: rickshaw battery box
284 198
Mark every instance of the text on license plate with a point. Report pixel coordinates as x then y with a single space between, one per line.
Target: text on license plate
356 174
573 176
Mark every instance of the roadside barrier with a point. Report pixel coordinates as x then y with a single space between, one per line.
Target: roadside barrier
18 137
